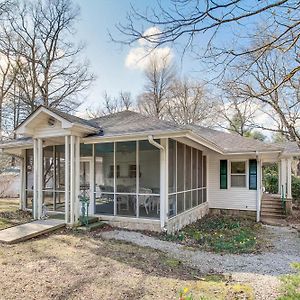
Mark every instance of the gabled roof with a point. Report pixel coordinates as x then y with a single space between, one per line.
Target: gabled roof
65 116
74 119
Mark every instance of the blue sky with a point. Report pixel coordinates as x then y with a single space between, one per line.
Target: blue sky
107 59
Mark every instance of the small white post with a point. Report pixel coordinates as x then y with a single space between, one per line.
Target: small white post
259 187
67 179
40 177
283 177
35 179
77 179
72 178
289 178
279 176
163 182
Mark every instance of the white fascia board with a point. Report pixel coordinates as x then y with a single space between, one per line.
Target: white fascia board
136 137
194 137
20 129
254 152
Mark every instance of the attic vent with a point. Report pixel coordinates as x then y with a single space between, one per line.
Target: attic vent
51 121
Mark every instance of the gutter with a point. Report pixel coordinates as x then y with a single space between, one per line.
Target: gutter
157 145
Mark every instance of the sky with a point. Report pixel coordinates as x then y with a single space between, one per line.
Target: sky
112 63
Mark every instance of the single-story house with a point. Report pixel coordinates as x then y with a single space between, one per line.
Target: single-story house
137 171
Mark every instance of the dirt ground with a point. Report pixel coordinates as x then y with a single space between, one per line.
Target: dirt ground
72 265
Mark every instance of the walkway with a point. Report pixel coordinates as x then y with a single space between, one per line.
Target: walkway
29 230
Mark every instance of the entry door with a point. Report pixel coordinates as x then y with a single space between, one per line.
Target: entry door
86 180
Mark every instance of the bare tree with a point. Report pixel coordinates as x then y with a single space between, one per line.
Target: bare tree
189 103
234 113
159 74
281 106
51 71
112 105
187 21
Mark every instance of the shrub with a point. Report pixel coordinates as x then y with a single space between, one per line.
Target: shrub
296 188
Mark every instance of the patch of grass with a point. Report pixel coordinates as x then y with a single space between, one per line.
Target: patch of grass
291 284
172 262
221 234
222 290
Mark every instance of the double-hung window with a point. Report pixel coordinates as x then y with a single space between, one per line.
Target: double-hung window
238 174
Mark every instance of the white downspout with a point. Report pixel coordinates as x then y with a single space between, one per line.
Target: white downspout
258 190
163 181
157 145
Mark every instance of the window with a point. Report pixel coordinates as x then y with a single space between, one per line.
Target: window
238 174
111 171
132 171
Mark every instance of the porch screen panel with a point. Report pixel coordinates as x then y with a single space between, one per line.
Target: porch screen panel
200 175
204 178
252 174
194 177
172 177
125 160
104 178
29 178
188 179
49 177
149 180
180 177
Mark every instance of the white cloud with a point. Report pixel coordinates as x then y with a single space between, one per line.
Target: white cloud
140 56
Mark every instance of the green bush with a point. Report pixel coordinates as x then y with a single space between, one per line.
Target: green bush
296 188
270 178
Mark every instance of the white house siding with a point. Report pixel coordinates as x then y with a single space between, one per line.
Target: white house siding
230 198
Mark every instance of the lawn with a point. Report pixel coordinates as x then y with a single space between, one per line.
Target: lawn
222 234
73 265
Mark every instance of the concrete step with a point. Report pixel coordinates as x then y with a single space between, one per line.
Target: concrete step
92 220
91 227
272 215
271 211
263 204
274 222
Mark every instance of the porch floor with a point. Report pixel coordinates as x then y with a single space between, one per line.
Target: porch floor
29 230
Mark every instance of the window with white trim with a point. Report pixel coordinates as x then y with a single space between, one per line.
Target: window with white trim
238 174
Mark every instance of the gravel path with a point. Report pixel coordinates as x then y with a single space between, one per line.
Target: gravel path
261 270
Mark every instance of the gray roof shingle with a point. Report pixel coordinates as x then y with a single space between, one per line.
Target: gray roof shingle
133 123
129 122
230 142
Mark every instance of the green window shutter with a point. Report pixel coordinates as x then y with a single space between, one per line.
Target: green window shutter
252 174
223 174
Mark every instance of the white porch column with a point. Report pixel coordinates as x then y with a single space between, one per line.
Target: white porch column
37 178
289 178
283 175
67 179
279 176
259 188
72 179
23 181
40 177
164 182
77 179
